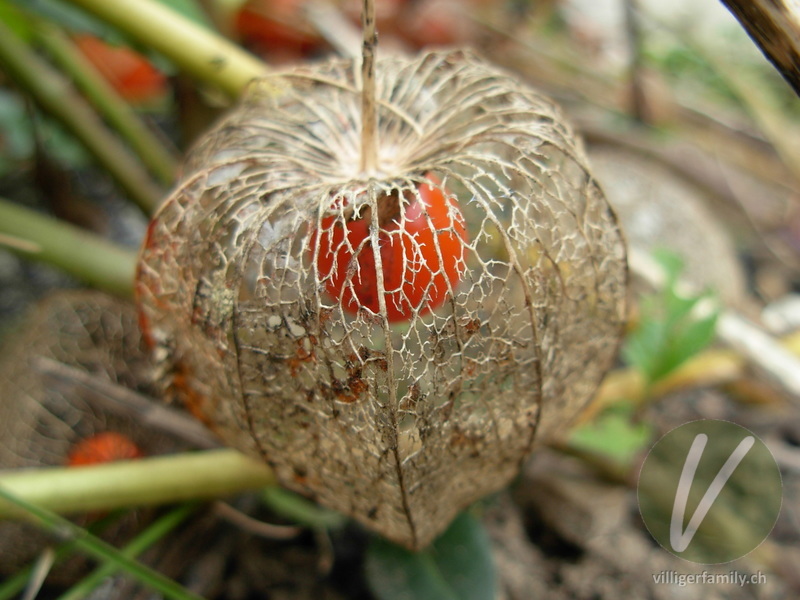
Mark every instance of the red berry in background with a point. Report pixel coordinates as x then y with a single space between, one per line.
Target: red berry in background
416 24
274 29
106 447
130 73
438 23
410 247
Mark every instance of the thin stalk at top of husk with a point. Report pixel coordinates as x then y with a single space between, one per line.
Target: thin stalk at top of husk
369 144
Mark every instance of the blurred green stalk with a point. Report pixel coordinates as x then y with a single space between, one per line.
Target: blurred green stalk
108 102
152 534
95 547
82 254
56 95
200 52
144 482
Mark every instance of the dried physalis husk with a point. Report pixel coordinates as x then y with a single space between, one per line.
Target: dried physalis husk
398 385
43 415
44 418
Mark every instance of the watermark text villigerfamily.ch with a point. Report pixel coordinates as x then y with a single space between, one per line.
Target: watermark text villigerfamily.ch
734 577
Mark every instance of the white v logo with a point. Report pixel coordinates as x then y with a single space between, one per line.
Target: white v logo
680 540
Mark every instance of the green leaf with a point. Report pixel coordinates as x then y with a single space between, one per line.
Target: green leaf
672 264
675 307
697 335
669 332
613 434
644 347
457 566
15 20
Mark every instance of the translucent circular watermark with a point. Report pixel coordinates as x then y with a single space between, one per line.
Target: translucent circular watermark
710 491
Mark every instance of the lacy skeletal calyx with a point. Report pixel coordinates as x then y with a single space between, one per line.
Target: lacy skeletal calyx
392 343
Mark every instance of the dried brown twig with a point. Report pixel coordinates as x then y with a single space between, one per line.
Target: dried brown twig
775 26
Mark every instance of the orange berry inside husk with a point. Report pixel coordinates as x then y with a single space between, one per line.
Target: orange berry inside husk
422 239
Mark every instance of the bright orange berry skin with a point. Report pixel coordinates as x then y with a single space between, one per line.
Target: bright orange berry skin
105 447
421 254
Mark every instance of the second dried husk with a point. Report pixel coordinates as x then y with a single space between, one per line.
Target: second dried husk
400 425
43 417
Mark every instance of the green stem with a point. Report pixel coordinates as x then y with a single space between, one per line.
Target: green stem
54 93
95 547
197 50
84 255
16 583
298 509
144 482
134 548
108 102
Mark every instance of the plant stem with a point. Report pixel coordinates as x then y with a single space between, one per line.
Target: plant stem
297 509
13 585
54 93
369 148
84 255
95 547
143 482
108 102
639 104
200 52
134 548
775 28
